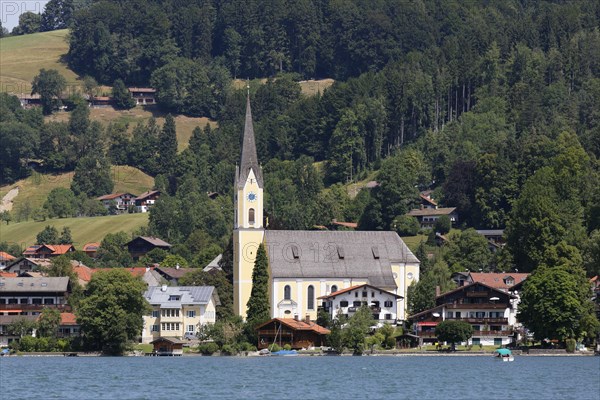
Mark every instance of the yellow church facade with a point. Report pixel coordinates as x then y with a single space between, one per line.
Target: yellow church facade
305 265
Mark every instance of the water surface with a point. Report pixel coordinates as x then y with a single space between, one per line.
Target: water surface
416 377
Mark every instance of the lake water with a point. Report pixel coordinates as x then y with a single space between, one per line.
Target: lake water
415 377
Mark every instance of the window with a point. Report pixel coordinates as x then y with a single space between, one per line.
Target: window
190 328
388 316
23 301
497 341
33 301
251 216
155 314
154 328
287 292
457 314
476 341
471 314
357 304
343 303
388 303
311 297
334 288
476 327
480 314
355 294
174 297
372 294
364 294
170 313
449 314
191 313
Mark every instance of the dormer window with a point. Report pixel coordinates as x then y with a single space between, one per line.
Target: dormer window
340 251
174 297
295 251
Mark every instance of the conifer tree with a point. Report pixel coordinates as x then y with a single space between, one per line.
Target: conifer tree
167 145
258 304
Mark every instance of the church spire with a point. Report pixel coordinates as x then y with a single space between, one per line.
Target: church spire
249 159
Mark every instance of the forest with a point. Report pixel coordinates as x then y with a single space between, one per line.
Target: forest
493 105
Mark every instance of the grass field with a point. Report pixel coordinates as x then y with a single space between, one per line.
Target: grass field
22 57
35 189
184 125
83 230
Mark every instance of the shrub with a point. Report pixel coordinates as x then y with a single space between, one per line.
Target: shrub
228 350
245 346
274 347
570 344
208 348
406 225
287 346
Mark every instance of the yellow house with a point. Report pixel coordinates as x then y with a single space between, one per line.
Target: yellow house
305 265
178 311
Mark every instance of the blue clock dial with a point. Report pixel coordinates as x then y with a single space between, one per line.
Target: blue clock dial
251 196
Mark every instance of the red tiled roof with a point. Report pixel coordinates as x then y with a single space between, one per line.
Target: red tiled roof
4 274
111 196
94 246
147 194
84 273
299 325
342 291
55 248
497 280
5 256
68 319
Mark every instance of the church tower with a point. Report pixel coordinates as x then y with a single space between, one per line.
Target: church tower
248 231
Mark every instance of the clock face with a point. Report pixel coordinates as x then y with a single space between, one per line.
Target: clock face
251 197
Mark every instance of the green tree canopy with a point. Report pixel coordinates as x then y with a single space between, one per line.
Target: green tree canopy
218 279
468 250
258 304
453 332
61 203
122 96
48 323
49 235
405 225
111 313
49 84
443 225
421 294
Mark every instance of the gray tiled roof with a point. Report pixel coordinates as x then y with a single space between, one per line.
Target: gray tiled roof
319 255
45 284
159 295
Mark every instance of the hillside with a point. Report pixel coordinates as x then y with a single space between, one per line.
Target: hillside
21 58
185 125
35 189
83 230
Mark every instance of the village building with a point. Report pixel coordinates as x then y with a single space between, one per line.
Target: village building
294 332
305 265
490 311
178 311
428 216
214 264
141 245
100 101
91 249
48 250
28 296
5 259
146 200
383 304
143 96
505 281
120 201
26 264
7 337
172 275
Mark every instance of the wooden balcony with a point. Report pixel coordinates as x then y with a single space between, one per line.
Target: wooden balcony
477 294
33 307
492 333
483 321
477 306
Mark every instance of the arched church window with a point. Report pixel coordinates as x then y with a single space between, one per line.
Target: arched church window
333 288
311 298
287 292
251 216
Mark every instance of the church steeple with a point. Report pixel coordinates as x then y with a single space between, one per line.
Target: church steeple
249 159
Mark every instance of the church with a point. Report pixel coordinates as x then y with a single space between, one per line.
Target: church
305 265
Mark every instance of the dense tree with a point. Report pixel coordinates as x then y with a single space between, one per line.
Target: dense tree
122 96
555 304
421 294
258 304
65 236
405 225
112 251
357 328
48 323
49 235
468 250
453 332
92 176
19 143
219 280
61 203
443 225
111 313
57 15
29 22
49 84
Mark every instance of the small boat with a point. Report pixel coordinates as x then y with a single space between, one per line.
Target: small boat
285 353
504 355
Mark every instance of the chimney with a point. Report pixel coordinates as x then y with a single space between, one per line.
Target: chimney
147 268
296 317
437 291
307 319
163 288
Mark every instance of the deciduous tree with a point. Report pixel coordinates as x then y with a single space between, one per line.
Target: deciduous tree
453 332
49 84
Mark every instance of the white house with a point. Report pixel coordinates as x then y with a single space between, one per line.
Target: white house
178 311
383 304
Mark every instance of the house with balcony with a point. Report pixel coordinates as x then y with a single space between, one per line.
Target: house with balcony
178 311
143 96
490 311
427 216
29 296
141 245
48 250
121 201
383 304
22 265
5 259
146 200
